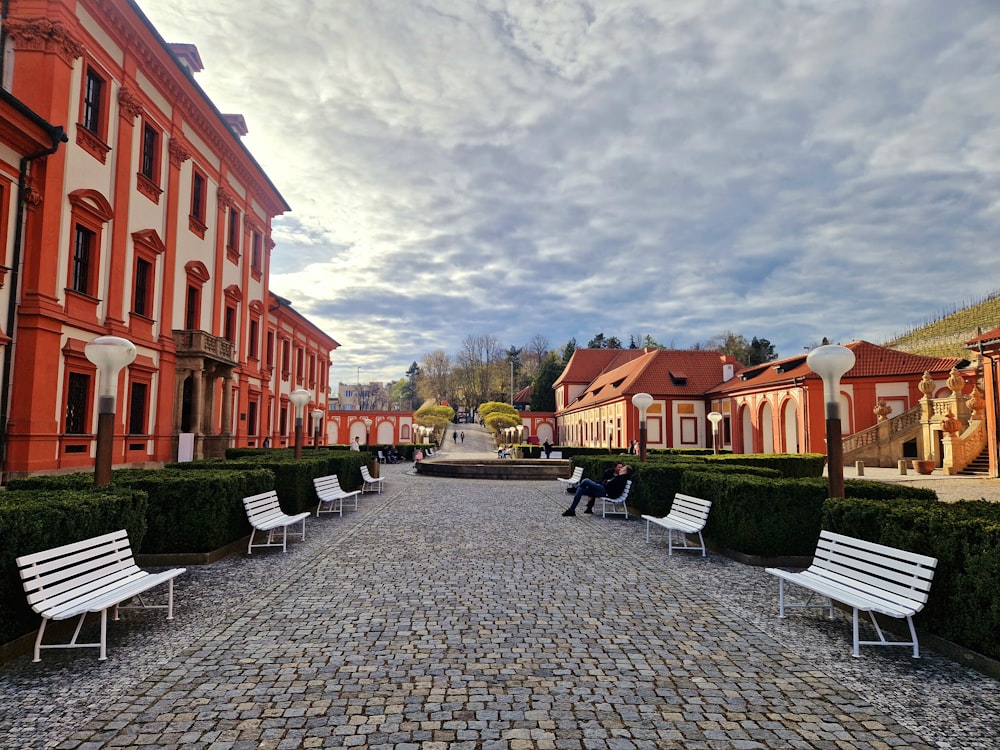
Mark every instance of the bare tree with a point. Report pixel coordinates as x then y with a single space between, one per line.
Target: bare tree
480 367
436 377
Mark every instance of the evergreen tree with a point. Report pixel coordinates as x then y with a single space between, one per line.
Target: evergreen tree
568 350
543 398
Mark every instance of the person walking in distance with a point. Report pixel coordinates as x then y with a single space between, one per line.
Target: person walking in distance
454 437
611 485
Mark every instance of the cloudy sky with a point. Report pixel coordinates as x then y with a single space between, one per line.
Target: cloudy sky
788 169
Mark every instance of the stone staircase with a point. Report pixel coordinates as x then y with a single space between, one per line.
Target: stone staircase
980 466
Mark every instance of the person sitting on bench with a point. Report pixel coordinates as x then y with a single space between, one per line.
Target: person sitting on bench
611 485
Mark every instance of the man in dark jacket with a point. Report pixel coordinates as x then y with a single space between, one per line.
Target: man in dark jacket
611 485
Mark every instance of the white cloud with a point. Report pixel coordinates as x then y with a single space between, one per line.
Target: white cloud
786 170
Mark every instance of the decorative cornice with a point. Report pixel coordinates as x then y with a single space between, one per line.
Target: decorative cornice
178 152
128 105
44 34
225 197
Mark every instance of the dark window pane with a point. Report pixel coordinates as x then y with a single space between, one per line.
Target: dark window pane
82 247
77 395
149 145
143 271
92 102
137 409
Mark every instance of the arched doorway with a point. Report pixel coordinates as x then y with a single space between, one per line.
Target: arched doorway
790 427
766 428
746 428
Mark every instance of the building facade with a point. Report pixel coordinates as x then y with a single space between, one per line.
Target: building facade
152 223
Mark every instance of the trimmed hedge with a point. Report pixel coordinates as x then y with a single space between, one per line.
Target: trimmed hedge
964 602
774 517
656 482
292 479
197 510
36 520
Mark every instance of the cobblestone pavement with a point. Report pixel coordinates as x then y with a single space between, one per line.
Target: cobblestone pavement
451 613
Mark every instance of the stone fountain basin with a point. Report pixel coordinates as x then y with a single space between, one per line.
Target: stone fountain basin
497 468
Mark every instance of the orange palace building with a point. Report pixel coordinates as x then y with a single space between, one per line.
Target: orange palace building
152 222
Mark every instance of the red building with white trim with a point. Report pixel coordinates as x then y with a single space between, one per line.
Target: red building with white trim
152 223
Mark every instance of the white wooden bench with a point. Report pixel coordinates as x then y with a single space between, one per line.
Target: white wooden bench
89 576
370 483
265 515
573 479
332 497
867 577
688 515
618 505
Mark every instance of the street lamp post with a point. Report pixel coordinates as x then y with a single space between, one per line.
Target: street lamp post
714 417
642 401
317 415
611 432
831 362
109 354
299 398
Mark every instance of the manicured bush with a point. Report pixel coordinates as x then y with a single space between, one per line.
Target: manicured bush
656 482
293 479
777 517
33 520
964 537
198 509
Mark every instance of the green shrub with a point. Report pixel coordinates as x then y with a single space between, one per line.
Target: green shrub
33 520
656 482
293 478
198 510
964 537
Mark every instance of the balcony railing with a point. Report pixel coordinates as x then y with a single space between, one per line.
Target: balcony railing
191 343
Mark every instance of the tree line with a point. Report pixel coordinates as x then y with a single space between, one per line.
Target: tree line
485 370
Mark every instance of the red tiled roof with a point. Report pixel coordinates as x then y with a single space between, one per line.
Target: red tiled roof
651 373
586 364
523 396
988 337
871 361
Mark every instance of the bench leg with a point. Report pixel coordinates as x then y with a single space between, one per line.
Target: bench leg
170 599
781 598
913 635
104 635
303 529
38 639
702 540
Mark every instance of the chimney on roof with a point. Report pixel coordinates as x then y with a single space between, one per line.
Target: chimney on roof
237 124
727 372
187 55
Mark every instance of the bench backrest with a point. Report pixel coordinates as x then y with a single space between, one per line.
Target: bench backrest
265 503
624 496
366 475
328 485
691 509
62 574
886 572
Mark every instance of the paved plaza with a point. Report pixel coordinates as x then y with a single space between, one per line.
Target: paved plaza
450 613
